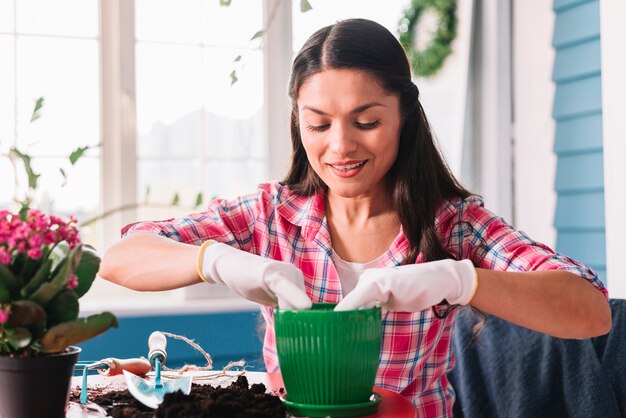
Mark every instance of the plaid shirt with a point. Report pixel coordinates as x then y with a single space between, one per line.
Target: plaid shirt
416 355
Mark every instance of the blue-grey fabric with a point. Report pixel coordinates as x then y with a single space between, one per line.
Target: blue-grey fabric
509 371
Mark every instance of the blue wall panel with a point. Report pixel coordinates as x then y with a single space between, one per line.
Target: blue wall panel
582 96
579 172
577 61
576 24
580 212
226 337
582 134
587 247
577 109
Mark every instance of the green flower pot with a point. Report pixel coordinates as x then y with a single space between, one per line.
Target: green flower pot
328 357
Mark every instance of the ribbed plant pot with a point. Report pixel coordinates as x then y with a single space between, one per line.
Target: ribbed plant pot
36 386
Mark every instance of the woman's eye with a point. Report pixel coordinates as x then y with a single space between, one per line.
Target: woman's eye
367 126
317 128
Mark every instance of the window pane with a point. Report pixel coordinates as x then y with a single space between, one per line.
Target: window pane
58 17
7 97
327 12
167 20
166 178
79 196
234 116
6 184
232 25
7 7
232 137
242 99
169 99
231 178
65 72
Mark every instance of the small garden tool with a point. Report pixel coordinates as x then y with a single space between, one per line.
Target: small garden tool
106 367
151 393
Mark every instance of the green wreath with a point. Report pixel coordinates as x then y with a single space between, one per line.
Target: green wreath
428 61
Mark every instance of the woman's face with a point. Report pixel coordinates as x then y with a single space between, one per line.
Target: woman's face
350 129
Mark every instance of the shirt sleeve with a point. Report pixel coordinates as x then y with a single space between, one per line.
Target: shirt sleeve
227 221
491 243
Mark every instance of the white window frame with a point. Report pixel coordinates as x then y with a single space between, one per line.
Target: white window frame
612 34
492 144
118 114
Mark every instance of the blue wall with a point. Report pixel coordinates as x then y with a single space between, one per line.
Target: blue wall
225 336
577 110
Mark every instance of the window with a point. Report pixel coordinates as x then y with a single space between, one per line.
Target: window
147 84
46 51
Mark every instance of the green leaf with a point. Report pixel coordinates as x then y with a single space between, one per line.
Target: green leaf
11 281
257 35
305 6
5 295
36 111
87 269
19 338
42 274
225 3
73 259
61 336
32 176
233 77
24 211
175 199
64 175
199 200
77 153
237 58
28 314
63 308
59 256
44 293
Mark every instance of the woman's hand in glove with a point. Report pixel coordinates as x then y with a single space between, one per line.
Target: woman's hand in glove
262 280
413 287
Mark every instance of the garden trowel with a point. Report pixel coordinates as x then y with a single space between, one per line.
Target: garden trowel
150 393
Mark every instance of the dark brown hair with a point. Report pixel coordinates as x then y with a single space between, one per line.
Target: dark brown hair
420 180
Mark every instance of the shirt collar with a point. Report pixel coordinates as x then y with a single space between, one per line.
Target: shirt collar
307 212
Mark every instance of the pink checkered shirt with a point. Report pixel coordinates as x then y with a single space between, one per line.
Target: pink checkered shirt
416 355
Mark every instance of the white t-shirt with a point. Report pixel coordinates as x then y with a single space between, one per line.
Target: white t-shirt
349 272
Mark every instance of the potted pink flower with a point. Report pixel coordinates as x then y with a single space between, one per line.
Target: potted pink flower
44 270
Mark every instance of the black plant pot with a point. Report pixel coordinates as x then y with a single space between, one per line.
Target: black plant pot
37 386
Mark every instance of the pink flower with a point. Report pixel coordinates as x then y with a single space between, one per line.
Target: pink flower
4 314
5 257
73 282
34 253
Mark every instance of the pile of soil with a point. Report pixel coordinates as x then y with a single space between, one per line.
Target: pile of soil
235 401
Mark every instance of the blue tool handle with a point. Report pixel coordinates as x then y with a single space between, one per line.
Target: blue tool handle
157 378
156 345
83 388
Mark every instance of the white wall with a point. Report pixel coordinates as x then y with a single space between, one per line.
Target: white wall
533 127
613 32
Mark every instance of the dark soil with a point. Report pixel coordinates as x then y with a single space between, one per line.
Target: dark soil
235 401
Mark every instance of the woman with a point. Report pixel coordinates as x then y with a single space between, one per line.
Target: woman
369 213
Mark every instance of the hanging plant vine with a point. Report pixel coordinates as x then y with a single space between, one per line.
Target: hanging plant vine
427 61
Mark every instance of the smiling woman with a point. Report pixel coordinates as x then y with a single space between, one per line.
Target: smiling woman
368 186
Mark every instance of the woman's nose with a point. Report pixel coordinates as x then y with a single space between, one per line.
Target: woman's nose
342 139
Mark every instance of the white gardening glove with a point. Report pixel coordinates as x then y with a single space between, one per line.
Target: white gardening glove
413 287
262 280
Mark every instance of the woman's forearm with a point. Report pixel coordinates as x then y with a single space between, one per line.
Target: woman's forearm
145 261
558 303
